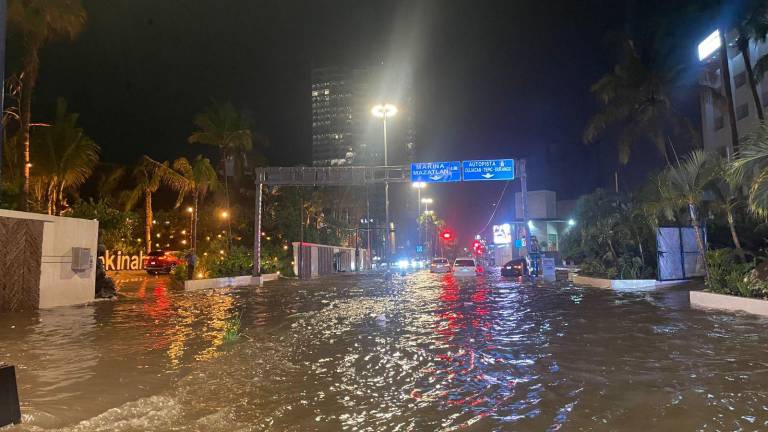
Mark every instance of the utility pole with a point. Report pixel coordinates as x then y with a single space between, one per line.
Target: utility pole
524 196
257 232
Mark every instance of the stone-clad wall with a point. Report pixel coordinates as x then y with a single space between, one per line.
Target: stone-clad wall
21 250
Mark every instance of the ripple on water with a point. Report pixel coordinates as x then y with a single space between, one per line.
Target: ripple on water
421 352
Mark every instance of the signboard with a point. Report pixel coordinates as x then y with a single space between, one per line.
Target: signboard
436 172
493 169
419 249
502 234
117 261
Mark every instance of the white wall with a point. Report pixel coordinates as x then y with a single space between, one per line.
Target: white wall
59 285
718 140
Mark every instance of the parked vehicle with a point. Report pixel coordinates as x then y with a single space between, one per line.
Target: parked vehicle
515 268
161 261
465 267
439 265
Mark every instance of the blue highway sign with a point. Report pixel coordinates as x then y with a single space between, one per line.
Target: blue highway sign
436 172
483 170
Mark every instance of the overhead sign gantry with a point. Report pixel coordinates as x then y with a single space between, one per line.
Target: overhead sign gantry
427 172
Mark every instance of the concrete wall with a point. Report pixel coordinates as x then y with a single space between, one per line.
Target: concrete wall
59 285
708 300
321 259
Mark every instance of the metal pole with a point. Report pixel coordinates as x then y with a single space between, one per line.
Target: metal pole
387 238
418 225
524 193
368 221
257 233
301 236
3 8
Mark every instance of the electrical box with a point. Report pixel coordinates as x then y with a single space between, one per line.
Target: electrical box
81 259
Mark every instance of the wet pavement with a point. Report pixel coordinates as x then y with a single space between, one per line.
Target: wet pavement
415 353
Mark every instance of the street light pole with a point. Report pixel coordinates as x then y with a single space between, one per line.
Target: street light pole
383 111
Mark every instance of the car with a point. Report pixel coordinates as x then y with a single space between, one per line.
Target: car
159 261
515 268
464 267
439 265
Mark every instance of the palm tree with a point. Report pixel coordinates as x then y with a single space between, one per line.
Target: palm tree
725 192
196 178
64 156
685 183
148 175
750 168
37 22
753 26
223 127
635 105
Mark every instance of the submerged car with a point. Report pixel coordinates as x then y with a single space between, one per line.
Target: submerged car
161 262
439 265
515 268
464 267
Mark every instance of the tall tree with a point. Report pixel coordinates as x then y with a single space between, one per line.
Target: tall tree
64 156
38 22
750 169
635 106
223 127
685 183
195 178
148 176
752 25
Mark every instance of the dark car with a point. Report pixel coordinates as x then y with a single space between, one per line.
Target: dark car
161 262
515 268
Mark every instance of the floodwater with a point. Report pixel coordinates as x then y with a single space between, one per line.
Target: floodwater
364 353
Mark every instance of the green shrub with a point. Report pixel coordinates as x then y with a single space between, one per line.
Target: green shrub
238 262
729 276
179 273
232 330
595 268
630 267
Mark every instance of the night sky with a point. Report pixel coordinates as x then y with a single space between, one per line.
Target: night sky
491 79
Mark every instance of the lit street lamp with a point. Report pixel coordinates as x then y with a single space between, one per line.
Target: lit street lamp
426 202
383 111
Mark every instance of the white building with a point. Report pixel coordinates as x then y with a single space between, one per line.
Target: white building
716 133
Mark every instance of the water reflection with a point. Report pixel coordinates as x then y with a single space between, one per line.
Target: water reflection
420 352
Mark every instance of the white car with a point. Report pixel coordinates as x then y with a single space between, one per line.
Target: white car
439 265
464 267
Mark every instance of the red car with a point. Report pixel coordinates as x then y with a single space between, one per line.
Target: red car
161 261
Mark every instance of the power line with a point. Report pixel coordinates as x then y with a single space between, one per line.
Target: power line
495 207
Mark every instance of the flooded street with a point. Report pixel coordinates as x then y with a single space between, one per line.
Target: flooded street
415 353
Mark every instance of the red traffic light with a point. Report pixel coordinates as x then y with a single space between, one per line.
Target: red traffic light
446 235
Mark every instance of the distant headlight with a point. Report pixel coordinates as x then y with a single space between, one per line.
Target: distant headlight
403 264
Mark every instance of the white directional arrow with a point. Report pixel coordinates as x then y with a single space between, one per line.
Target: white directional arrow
436 177
487 175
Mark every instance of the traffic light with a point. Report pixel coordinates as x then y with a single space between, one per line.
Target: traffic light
446 235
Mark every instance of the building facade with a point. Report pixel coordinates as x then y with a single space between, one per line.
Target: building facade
344 132
715 129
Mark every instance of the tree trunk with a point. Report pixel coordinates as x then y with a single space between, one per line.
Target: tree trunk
59 200
726 81
226 196
148 220
699 241
734 235
744 48
194 223
51 197
31 65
